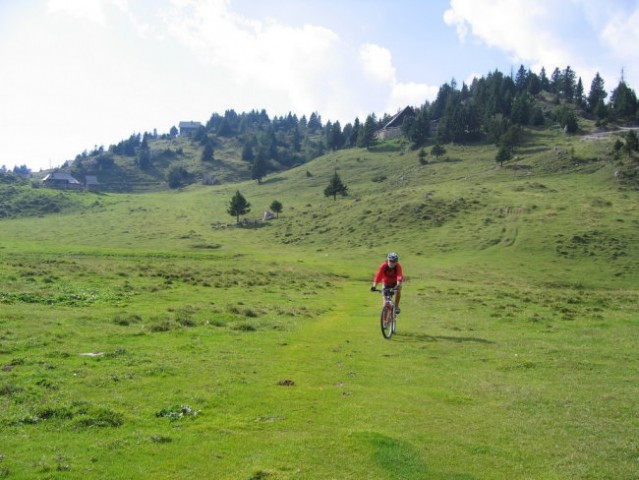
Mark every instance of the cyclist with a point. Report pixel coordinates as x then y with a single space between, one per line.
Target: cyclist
391 276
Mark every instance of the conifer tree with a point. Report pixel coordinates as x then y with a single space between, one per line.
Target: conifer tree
366 136
207 153
503 155
336 186
247 153
568 84
276 206
597 94
437 150
259 168
238 206
623 101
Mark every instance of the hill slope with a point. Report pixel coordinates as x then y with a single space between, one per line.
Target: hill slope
559 200
147 336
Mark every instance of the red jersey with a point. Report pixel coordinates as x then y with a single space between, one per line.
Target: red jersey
389 276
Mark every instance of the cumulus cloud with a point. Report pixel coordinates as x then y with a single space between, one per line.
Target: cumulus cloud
97 71
264 59
621 34
91 10
410 93
502 24
301 69
553 34
377 62
85 9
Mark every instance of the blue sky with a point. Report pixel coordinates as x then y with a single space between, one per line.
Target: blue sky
77 74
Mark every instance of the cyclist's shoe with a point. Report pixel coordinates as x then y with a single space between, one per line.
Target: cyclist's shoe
397 310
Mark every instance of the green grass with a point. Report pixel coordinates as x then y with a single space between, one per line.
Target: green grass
148 337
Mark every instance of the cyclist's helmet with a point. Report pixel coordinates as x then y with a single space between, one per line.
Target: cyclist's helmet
393 257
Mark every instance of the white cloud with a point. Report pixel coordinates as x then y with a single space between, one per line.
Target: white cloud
411 93
85 9
283 68
91 10
456 18
621 34
514 26
377 63
551 33
91 72
287 63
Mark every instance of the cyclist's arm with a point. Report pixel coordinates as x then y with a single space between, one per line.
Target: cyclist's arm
400 276
379 275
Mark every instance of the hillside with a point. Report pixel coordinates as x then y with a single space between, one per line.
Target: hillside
560 201
146 335
227 149
495 109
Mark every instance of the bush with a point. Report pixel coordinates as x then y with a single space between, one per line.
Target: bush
177 176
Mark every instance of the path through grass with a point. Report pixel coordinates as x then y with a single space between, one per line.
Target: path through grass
145 369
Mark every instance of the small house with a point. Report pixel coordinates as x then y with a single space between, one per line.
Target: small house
91 183
64 181
393 128
189 128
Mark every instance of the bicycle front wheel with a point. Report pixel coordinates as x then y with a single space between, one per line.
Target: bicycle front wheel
386 322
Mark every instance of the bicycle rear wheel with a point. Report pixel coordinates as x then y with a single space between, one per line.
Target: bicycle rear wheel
386 322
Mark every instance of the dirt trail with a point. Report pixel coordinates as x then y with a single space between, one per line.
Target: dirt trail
600 135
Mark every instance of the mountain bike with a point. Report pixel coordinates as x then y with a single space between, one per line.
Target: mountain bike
388 317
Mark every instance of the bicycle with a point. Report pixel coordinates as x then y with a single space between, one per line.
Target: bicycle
388 317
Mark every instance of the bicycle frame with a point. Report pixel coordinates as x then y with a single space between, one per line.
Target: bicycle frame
388 317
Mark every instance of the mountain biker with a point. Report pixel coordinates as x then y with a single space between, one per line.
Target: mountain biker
391 276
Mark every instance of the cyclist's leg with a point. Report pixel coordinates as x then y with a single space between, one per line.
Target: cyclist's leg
397 294
384 287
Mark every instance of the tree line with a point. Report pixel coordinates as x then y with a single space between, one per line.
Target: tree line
490 105
483 110
492 108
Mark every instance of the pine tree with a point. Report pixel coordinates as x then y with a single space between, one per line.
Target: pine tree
579 94
555 81
352 139
276 206
238 206
336 186
366 137
597 94
247 153
437 150
521 80
623 101
534 83
259 168
521 109
207 153
416 126
568 84
503 155
543 80
422 157
314 122
334 137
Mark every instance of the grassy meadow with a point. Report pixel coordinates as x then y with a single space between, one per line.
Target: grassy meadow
144 336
